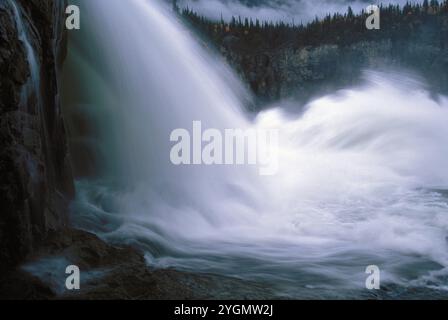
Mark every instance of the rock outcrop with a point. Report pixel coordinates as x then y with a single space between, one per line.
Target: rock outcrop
109 272
36 182
282 62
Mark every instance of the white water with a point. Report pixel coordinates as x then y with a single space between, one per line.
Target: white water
361 175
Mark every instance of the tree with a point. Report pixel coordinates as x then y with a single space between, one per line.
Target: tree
350 13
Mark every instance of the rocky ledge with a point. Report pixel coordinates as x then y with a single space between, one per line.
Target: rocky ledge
36 183
109 272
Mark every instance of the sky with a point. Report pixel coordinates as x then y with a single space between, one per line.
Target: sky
277 10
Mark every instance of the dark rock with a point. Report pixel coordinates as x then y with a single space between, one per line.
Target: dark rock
281 61
36 183
121 273
20 285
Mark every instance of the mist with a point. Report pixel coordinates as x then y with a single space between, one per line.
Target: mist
357 183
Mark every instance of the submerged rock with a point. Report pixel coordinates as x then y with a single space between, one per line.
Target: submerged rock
109 272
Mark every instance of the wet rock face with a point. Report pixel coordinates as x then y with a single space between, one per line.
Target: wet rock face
36 182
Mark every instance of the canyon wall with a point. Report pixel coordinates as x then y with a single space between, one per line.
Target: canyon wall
282 61
36 183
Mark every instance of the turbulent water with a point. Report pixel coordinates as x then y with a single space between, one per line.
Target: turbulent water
362 173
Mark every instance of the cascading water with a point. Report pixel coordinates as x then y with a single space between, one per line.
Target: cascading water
362 174
33 84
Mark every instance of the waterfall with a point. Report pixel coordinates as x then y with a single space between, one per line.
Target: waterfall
362 177
33 84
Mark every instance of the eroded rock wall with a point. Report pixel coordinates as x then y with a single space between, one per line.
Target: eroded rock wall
36 182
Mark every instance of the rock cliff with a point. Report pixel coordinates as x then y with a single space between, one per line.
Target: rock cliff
36 182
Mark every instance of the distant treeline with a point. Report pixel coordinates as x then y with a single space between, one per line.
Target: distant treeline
279 60
345 28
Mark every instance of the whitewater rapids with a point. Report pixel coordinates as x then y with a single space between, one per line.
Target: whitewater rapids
362 174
